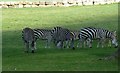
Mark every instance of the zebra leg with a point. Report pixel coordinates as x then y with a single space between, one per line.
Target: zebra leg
27 47
66 44
109 43
103 42
46 44
98 45
55 42
84 43
80 43
59 44
89 43
72 44
33 46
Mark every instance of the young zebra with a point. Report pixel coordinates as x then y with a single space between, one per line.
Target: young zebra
89 33
60 35
29 39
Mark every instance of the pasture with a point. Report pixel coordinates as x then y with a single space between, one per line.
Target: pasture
52 59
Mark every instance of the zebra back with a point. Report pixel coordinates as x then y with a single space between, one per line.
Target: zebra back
42 33
60 33
95 33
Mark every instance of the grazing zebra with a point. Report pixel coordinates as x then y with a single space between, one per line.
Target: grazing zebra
29 39
88 34
55 34
43 34
30 36
60 35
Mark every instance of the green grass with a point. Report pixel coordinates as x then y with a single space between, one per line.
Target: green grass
74 18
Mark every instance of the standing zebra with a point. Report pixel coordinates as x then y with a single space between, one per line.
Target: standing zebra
89 33
60 35
29 39
30 36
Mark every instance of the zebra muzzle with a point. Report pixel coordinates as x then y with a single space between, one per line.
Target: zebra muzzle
116 46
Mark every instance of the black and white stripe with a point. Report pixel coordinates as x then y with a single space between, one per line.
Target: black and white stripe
32 35
89 33
43 34
60 35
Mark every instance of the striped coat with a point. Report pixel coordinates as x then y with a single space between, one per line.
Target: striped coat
90 33
43 34
61 35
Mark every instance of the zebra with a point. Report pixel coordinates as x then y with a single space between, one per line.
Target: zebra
30 36
61 35
89 34
44 34
29 39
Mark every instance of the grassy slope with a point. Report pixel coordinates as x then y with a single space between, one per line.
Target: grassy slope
14 20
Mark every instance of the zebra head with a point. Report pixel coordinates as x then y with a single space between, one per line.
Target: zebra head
114 39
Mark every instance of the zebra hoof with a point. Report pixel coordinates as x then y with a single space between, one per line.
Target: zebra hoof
32 51
73 48
90 47
26 51
116 46
100 59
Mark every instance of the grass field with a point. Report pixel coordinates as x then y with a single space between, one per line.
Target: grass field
74 18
